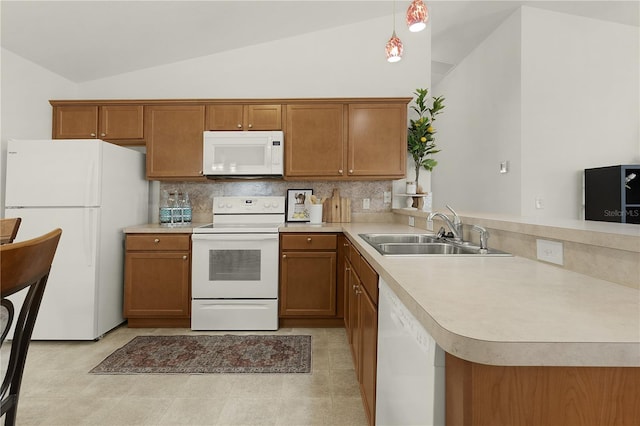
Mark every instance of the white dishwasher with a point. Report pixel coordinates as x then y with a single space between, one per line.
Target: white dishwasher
410 375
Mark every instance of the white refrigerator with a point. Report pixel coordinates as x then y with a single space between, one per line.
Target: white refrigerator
90 189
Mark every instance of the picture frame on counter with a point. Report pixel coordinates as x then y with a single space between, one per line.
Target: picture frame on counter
297 205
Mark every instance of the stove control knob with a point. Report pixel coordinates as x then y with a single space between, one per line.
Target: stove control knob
275 204
220 205
267 205
229 205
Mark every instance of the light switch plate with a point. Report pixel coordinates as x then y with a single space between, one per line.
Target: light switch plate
550 251
386 197
412 221
366 203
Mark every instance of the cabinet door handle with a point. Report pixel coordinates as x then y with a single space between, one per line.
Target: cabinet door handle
284 256
239 126
103 134
93 135
250 125
340 171
157 240
350 171
347 269
345 245
184 257
308 239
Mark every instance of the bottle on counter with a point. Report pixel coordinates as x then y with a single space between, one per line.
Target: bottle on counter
179 208
187 210
173 208
165 211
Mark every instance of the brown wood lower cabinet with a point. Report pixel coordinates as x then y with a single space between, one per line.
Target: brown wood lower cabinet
478 394
361 322
308 285
157 280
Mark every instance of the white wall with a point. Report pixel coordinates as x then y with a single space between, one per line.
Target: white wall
25 110
551 93
580 105
480 127
345 61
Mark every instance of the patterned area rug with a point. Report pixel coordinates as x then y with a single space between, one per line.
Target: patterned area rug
210 354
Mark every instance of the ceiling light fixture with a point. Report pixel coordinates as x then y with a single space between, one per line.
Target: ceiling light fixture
417 16
394 45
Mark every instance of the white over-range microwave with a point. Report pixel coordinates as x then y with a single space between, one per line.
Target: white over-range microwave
243 154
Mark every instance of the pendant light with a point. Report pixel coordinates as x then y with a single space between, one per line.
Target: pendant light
417 16
394 45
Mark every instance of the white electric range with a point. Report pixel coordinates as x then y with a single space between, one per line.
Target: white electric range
234 271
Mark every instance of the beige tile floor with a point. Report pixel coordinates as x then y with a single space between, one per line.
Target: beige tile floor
57 389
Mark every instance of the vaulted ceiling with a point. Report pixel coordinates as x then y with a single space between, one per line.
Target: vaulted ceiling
87 40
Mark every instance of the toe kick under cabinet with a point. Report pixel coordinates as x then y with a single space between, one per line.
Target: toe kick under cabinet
157 291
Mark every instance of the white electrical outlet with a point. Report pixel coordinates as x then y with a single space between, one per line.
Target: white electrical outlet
366 203
386 197
539 203
412 221
429 225
550 251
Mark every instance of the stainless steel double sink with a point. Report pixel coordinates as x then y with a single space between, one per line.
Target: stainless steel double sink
424 245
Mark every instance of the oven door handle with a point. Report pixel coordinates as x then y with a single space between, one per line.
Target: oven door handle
235 237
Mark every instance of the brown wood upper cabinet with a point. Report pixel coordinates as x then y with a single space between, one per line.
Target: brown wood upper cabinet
122 124
314 140
346 140
243 117
377 144
174 141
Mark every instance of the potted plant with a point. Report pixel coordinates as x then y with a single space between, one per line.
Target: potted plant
421 137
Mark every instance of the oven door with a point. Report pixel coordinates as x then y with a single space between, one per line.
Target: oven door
234 266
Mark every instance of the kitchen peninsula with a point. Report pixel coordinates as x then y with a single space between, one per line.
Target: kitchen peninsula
525 341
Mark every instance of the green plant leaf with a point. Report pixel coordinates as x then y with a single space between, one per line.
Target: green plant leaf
422 150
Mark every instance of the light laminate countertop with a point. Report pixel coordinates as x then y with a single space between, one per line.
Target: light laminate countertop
501 310
156 228
511 310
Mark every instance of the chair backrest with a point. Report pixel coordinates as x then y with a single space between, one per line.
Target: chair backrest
9 229
23 265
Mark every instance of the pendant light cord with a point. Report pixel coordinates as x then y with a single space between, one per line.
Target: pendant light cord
394 17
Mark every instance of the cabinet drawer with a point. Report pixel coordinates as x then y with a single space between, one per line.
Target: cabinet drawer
369 278
354 257
158 242
309 242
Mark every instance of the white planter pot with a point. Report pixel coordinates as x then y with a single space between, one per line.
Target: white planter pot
411 188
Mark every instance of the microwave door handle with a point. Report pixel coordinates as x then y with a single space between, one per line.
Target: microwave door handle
267 152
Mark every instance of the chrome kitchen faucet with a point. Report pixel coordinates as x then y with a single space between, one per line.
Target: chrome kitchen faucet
455 226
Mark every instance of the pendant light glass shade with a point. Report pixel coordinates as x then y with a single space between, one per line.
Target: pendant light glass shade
394 48
417 16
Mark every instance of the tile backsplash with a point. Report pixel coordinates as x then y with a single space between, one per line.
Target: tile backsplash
202 193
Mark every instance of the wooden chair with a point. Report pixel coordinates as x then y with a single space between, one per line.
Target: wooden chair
9 229
23 265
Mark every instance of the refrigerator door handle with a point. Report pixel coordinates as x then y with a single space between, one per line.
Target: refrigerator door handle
89 188
88 236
